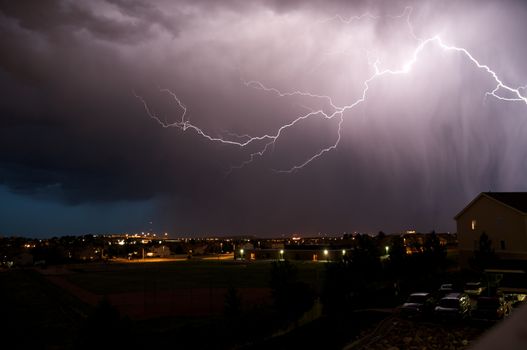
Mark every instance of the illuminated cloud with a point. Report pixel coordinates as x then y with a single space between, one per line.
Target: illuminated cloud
409 155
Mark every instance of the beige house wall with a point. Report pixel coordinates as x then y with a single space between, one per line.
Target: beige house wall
499 222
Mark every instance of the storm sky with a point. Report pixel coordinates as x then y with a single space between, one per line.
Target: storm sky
80 154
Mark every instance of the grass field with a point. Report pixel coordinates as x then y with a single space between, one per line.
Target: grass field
138 277
164 303
35 312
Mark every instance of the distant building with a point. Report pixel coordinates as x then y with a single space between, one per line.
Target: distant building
414 242
161 251
301 253
503 217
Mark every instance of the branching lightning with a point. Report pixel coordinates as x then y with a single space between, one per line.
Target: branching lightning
338 113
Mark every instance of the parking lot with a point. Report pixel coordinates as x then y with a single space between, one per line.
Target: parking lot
472 302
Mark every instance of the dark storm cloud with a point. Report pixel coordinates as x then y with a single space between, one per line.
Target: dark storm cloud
72 132
60 19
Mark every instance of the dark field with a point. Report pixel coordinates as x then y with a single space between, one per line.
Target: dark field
169 304
138 277
180 305
175 288
37 314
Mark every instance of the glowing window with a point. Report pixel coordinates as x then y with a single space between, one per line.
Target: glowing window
473 225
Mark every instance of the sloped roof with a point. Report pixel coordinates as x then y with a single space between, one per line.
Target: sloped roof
517 200
514 200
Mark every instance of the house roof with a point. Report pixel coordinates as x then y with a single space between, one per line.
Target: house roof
514 200
517 200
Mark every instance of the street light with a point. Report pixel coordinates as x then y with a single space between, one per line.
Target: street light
241 253
387 249
326 254
343 251
282 254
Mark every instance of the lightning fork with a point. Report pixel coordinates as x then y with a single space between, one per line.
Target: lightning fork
338 111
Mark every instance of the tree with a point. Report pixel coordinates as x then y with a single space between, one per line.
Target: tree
397 251
233 303
352 283
484 257
105 328
291 297
366 254
434 252
338 288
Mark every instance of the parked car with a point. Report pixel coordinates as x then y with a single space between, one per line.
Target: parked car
492 308
473 288
418 304
515 300
454 306
446 288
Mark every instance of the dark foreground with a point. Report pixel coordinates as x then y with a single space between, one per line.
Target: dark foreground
132 307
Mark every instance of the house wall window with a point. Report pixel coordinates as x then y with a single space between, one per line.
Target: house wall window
502 245
473 225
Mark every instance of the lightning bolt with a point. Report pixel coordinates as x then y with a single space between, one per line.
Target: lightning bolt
264 142
407 13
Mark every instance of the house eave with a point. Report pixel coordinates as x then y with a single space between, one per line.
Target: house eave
483 194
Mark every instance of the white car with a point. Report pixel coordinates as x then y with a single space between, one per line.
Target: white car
453 305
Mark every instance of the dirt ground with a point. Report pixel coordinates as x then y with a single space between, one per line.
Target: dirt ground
147 304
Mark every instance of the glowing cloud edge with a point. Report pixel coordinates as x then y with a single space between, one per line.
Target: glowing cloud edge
338 111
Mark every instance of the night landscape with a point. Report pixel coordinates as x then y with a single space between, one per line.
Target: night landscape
263 174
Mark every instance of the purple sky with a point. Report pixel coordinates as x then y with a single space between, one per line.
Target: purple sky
80 154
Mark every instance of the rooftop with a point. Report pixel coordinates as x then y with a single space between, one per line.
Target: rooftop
516 200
